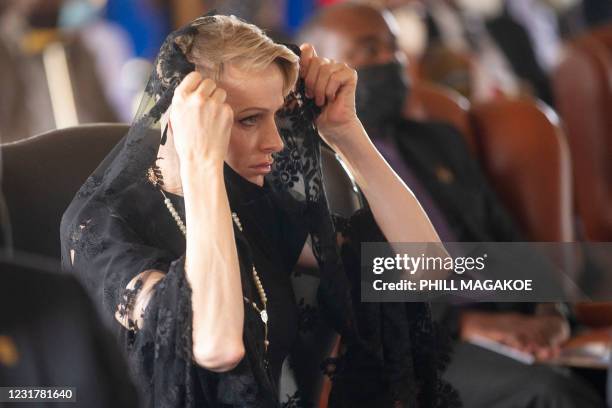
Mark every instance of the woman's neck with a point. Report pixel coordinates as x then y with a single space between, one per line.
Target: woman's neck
239 189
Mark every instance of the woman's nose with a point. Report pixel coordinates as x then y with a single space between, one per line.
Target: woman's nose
272 142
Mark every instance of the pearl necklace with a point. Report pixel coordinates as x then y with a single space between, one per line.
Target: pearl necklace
263 311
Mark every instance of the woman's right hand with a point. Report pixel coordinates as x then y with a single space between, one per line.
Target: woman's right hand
200 121
201 124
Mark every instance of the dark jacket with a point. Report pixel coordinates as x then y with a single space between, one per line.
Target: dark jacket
439 157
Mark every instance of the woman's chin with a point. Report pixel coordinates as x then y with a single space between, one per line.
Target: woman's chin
255 178
259 180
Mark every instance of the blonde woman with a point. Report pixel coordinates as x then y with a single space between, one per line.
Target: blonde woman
189 244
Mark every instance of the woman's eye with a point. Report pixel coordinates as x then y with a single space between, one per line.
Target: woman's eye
249 121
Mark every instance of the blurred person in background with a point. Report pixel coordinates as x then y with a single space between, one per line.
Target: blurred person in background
461 49
474 46
434 161
540 21
529 43
502 49
576 16
121 74
597 12
570 16
50 75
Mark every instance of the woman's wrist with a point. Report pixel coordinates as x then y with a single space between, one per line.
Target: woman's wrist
200 173
360 155
195 168
350 142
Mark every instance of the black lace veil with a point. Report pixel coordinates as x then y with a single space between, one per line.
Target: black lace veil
107 206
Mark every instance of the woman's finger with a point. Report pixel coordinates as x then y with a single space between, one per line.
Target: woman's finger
306 56
325 72
219 95
339 76
312 76
206 87
189 84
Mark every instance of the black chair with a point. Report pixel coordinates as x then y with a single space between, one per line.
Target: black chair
42 174
342 192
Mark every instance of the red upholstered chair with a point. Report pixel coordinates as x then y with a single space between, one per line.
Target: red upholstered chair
522 149
41 175
583 94
524 153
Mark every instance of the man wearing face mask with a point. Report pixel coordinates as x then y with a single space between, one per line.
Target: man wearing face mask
434 161
431 157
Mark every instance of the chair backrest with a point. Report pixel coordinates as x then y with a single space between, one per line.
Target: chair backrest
341 190
525 155
445 105
583 88
41 175
583 94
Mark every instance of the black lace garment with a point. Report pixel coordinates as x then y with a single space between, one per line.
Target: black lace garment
118 226
275 241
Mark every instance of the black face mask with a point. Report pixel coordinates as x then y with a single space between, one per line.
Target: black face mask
382 90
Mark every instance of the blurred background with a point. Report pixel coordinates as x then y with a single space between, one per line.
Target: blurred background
482 48
499 71
526 83
66 62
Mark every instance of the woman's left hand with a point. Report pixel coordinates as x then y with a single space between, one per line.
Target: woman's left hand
332 85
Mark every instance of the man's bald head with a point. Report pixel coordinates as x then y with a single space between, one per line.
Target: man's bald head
355 33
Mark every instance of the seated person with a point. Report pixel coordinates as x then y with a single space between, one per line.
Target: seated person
434 161
188 233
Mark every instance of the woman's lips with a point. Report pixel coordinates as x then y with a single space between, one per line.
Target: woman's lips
263 168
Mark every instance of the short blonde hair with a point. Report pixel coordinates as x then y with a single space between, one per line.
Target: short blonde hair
227 39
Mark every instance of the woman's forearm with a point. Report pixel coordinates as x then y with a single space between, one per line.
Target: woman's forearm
395 208
212 268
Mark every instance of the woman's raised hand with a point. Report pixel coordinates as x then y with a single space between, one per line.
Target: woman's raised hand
200 121
332 85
